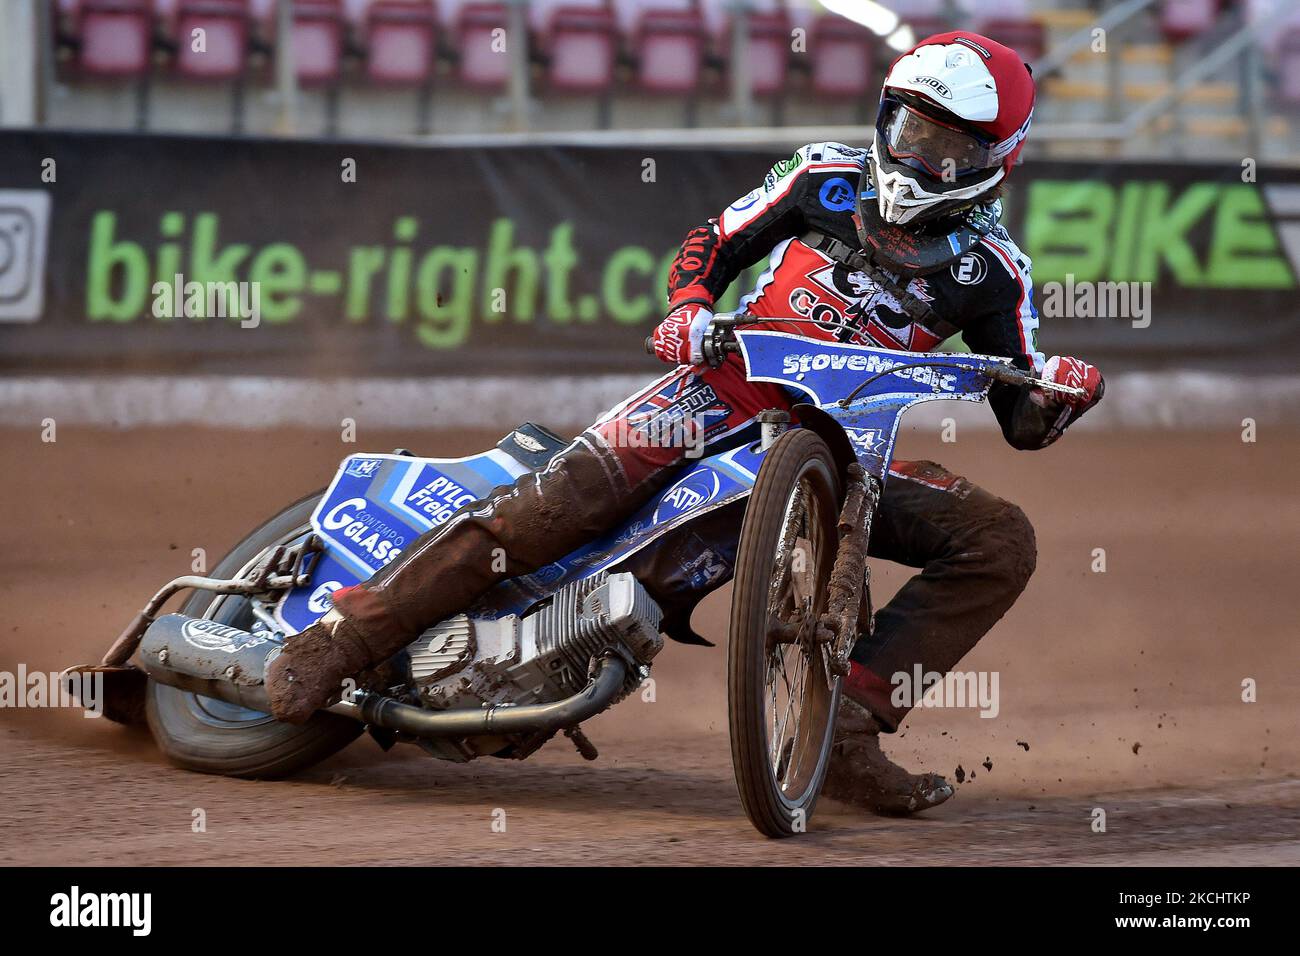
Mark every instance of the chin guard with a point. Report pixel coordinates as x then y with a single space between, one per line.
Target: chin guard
918 252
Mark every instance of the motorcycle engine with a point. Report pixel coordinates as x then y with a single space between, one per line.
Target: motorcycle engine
541 657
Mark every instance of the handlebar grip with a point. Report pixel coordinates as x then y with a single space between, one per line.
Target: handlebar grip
649 345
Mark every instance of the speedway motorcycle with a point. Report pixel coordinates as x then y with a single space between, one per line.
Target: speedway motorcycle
542 653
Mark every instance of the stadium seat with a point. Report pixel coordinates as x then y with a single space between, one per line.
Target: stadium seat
225 24
1010 22
1181 20
841 66
116 37
579 44
356 12
667 46
768 44
481 66
769 52
925 17
400 42
317 41
1027 37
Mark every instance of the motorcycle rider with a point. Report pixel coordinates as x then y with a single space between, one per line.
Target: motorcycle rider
896 246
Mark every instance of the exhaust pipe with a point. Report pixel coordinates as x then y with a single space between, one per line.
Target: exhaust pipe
223 662
210 659
499 719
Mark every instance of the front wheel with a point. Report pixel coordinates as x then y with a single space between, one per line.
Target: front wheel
782 692
213 736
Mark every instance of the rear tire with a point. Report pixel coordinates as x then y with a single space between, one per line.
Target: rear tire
787 548
212 736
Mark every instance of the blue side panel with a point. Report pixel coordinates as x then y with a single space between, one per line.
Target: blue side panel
376 507
379 504
301 606
709 484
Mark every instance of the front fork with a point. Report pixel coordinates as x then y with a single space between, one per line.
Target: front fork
848 593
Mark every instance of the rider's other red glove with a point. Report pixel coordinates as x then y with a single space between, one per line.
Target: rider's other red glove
679 337
1075 373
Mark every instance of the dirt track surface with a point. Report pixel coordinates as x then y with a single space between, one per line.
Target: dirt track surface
1125 686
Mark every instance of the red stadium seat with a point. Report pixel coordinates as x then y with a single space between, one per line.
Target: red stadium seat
580 47
481 64
225 24
356 12
668 46
768 44
116 37
769 52
843 57
925 17
400 42
1183 19
1027 37
317 41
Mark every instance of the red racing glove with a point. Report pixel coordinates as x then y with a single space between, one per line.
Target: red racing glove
1075 373
679 337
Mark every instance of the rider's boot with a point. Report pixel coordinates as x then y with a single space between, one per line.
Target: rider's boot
860 774
873 693
514 531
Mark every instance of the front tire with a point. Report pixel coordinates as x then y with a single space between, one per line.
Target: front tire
782 694
212 736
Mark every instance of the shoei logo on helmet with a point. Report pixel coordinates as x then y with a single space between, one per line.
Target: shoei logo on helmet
935 84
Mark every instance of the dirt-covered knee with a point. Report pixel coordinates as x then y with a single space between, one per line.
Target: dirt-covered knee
1004 539
1016 545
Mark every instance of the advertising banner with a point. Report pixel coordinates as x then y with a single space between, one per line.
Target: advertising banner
142 253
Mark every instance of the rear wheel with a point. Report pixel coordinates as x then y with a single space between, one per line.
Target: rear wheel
212 736
782 693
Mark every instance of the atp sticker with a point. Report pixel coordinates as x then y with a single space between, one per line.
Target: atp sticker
696 489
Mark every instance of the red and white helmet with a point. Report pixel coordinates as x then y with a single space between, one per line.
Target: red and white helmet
954 114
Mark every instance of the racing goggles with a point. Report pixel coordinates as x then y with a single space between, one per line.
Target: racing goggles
929 145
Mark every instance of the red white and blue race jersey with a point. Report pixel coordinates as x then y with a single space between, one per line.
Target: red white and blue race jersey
986 294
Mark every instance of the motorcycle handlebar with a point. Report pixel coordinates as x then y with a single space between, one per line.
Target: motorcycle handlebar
721 342
711 345
1014 376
